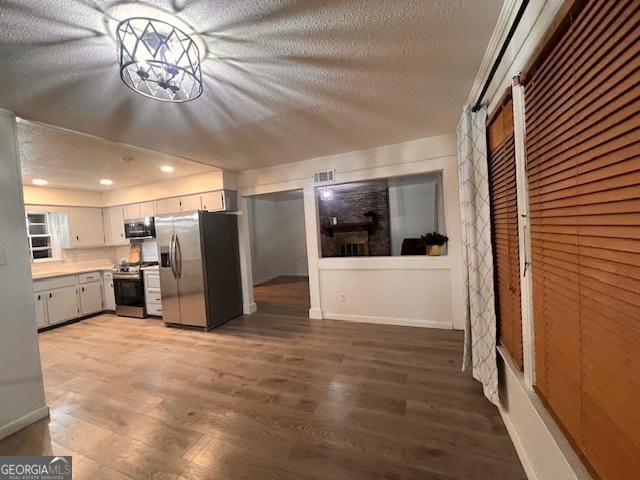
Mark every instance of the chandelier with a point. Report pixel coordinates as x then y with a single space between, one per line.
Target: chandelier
158 60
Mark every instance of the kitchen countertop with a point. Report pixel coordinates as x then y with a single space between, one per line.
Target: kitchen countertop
65 270
152 267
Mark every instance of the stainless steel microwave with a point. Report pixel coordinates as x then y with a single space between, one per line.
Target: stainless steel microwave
140 228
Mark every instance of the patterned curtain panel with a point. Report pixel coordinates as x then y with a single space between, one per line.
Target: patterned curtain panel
480 326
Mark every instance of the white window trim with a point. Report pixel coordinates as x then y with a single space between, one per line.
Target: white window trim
524 240
50 235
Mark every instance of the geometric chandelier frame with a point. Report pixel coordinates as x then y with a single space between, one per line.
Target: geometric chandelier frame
158 60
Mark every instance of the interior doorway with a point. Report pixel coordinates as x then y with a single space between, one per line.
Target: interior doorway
279 253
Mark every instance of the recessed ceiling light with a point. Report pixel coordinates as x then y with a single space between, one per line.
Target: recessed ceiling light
106 181
39 181
167 168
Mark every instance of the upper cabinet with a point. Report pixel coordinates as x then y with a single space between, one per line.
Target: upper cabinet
147 209
218 201
114 226
131 212
86 227
213 201
190 203
167 205
138 210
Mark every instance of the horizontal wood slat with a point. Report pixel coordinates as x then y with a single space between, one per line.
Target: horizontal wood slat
583 169
504 220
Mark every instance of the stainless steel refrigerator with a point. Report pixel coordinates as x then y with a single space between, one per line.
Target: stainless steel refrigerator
199 268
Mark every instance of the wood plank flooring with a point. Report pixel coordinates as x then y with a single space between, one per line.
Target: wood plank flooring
284 295
264 397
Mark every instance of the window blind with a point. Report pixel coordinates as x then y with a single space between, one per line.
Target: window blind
504 223
583 165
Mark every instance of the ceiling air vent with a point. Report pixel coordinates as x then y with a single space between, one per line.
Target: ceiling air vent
324 176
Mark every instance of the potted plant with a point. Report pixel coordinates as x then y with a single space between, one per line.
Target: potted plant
433 242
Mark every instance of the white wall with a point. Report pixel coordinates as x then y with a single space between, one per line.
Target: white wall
413 209
278 243
431 287
202 182
63 197
21 389
388 290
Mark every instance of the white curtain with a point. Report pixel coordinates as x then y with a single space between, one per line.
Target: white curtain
480 325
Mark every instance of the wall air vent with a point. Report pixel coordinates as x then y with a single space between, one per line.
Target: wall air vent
325 176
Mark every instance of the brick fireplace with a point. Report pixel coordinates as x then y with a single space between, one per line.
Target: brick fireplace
355 234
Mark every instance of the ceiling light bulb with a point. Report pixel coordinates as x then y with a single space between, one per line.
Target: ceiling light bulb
39 181
106 182
326 194
167 168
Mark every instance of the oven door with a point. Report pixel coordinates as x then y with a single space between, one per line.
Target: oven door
129 291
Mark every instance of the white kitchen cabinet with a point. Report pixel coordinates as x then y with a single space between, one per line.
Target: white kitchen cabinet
132 212
109 299
213 201
41 309
221 200
152 293
190 203
147 209
86 227
90 298
62 304
136 211
114 226
167 205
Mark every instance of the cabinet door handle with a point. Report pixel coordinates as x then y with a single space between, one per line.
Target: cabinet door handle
222 199
38 297
50 295
83 289
78 237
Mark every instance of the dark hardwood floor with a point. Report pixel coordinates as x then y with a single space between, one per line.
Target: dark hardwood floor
264 397
284 295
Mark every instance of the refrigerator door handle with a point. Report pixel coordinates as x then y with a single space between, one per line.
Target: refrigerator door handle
172 261
178 256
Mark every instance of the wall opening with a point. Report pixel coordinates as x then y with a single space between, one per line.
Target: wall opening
279 252
380 218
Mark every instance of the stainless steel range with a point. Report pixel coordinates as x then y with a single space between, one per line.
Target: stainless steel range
129 290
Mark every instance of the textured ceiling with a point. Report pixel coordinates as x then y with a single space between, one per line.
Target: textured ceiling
71 160
283 80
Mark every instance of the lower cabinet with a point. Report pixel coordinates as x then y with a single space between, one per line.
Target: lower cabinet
62 305
61 299
91 298
152 295
109 297
41 309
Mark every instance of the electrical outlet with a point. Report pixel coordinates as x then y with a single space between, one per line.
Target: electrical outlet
342 297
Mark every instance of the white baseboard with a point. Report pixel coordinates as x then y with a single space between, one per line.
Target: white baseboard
24 421
543 450
405 322
315 314
260 281
249 308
